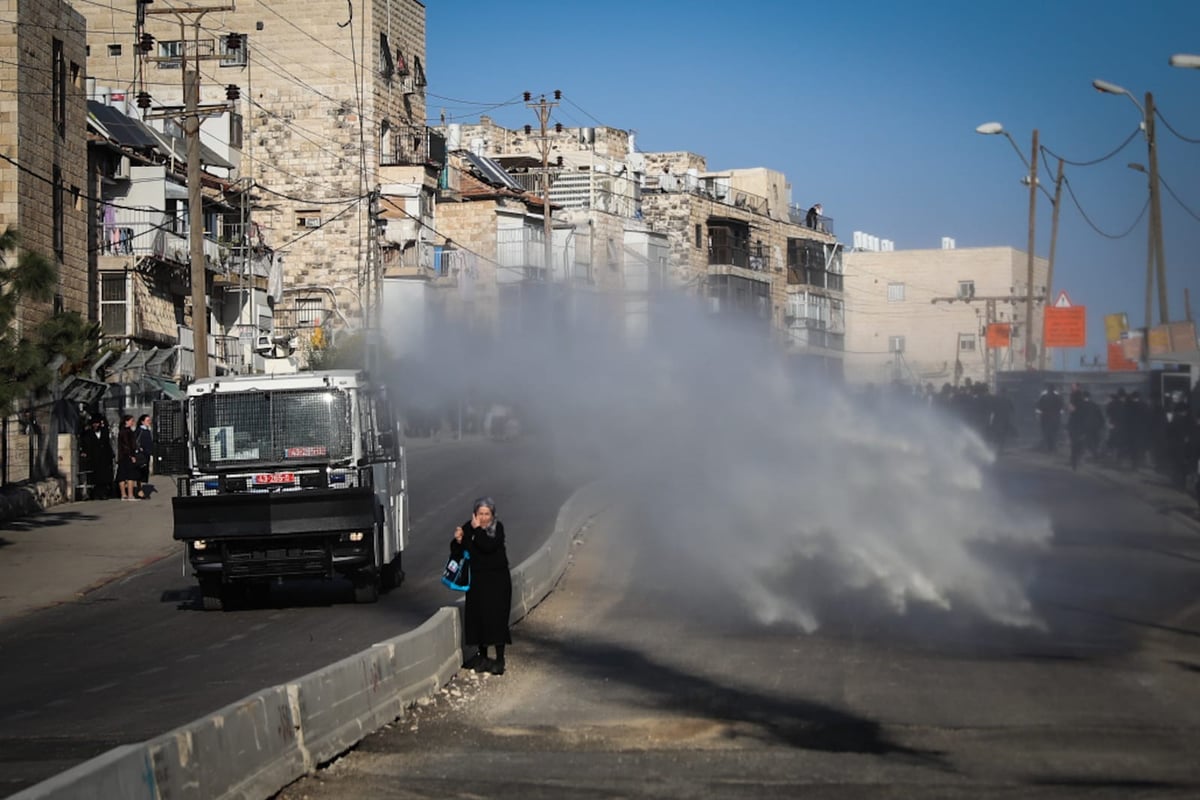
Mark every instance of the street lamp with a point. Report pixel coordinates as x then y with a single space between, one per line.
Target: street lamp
1185 61
1156 258
993 129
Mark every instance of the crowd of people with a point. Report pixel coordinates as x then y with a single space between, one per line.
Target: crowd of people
120 468
1125 430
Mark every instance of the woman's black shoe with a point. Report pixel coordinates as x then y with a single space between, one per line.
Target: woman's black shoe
473 661
497 666
484 665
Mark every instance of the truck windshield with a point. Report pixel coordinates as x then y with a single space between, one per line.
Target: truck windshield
241 429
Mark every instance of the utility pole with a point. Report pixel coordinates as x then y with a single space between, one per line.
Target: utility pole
1058 182
543 108
190 116
1033 190
1156 213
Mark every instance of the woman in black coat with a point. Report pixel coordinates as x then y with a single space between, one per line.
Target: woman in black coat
127 468
489 600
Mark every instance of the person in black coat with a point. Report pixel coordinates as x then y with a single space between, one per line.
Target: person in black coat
489 600
97 450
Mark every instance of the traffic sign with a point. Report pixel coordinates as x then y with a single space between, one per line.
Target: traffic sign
1062 301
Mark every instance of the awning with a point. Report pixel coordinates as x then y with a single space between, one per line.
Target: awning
174 191
169 388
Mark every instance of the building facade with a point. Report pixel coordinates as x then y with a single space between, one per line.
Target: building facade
921 316
44 179
319 112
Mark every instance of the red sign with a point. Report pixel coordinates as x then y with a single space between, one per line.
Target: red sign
999 335
305 452
274 478
1117 361
1065 327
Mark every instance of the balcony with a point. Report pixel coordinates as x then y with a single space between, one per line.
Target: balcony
798 215
813 276
412 146
752 258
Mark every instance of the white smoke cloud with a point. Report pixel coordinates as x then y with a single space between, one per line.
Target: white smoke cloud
778 495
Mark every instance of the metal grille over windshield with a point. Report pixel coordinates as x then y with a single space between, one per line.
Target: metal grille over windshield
273 427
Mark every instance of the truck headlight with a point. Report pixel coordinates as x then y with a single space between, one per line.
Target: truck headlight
199 544
356 536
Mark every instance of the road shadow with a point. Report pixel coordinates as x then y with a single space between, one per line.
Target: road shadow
293 594
776 719
40 521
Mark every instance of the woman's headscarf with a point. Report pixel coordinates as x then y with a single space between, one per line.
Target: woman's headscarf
490 530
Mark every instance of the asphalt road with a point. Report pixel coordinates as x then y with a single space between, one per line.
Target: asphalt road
614 690
137 658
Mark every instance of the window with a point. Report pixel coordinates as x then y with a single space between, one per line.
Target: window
171 51
58 211
309 313
308 218
699 239
418 72
114 50
235 130
112 303
895 292
60 90
966 342
233 56
895 344
387 67
966 290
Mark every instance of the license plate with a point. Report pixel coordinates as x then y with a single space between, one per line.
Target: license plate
274 478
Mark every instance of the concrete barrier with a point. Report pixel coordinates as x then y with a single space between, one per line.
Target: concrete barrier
253 748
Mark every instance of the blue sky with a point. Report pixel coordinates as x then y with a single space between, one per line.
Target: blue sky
870 108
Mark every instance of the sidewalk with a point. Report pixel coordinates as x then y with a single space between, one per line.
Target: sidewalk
58 555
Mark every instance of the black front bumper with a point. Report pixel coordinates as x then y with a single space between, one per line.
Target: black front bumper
298 513
277 535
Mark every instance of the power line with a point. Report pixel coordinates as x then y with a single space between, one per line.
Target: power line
1158 114
311 231
1088 220
307 201
1182 204
1119 148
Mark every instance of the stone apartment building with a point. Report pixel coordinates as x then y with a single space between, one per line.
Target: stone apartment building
637 223
43 115
318 156
736 238
921 316
606 262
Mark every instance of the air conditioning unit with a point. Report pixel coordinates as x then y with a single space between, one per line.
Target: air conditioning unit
121 172
312 222
408 85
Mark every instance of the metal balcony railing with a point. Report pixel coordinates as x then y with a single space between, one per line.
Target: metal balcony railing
799 214
413 146
745 257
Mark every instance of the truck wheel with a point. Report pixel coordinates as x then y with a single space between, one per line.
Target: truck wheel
391 575
366 588
211 596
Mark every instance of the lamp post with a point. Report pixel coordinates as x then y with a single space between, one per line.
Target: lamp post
992 129
1155 229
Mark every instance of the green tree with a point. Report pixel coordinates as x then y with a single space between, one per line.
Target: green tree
30 276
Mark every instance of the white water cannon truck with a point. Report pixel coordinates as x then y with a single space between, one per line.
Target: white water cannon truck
288 478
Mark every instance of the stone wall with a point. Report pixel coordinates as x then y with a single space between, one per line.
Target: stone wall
30 134
305 139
